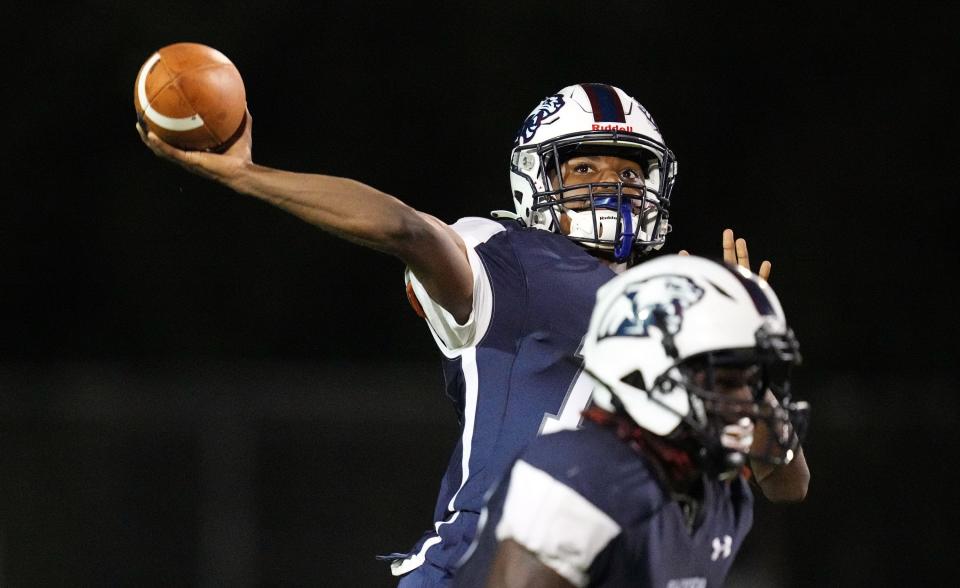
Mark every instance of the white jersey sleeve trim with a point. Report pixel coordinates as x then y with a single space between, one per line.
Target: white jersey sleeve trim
562 528
452 337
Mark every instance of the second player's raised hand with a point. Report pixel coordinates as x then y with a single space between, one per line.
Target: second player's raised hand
735 251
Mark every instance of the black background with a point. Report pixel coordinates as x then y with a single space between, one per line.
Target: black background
196 388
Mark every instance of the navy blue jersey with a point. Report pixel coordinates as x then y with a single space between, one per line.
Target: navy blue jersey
510 370
592 509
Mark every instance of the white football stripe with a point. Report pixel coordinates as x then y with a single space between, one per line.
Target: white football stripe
164 122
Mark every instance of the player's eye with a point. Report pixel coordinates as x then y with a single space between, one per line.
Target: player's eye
581 168
631 174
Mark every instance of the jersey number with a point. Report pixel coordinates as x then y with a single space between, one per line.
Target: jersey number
574 402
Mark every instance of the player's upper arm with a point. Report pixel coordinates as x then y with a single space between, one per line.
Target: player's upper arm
438 256
455 333
516 567
564 530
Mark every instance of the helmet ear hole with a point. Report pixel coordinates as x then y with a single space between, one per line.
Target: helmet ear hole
635 379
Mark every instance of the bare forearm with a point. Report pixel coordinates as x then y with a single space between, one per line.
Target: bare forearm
347 208
364 215
785 483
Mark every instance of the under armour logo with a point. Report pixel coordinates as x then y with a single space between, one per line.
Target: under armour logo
721 547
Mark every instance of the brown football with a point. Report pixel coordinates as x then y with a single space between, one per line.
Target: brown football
191 96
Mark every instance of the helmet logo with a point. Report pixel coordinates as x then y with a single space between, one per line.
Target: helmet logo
612 127
550 106
657 302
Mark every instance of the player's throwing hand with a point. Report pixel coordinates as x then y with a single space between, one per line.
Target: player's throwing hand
214 166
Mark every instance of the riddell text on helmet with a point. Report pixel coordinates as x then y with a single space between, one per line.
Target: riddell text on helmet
612 127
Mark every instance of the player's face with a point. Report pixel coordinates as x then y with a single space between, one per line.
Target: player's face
589 169
580 172
734 384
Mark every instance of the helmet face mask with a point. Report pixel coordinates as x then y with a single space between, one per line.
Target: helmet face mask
709 380
699 353
616 219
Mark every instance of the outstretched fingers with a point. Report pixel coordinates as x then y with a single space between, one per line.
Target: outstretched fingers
205 164
159 147
743 256
735 251
729 251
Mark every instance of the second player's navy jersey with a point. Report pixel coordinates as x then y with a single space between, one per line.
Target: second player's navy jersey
517 375
591 508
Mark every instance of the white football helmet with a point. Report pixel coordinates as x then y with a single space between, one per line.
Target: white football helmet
594 119
658 332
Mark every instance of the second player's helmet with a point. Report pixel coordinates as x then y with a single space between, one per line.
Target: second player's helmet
659 334
621 219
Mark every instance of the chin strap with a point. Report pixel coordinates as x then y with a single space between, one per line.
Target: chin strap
506 214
